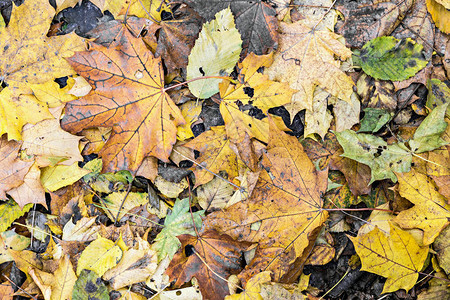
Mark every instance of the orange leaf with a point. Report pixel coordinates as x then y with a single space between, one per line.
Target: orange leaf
283 211
128 95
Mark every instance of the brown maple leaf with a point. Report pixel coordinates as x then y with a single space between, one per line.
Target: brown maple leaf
283 211
128 95
211 258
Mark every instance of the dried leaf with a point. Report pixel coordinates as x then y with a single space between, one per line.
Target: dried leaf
127 79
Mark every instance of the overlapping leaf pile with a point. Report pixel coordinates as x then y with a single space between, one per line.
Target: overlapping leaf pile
221 146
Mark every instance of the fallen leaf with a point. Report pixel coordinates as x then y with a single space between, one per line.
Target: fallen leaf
151 9
430 212
376 93
82 231
253 89
89 286
210 258
191 111
255 21
394 255
216 155
53 178
282 212
253 288
301 60
115 201
52 94
16 111
99 256
388 58
49 143
31 190
346 114
177 223
11 240
428 136
442 248
12 169
33 57
318 119
177 37
440 14
214 194
136 265
127 79
57 285
215 53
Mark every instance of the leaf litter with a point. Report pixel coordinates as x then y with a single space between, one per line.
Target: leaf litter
261 215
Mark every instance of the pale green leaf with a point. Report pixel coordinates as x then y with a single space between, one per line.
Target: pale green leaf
215 53
177 223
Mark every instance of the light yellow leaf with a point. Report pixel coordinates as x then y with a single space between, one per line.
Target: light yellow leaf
47 141
114 200
100 256
50 93
56 177
306 58
57 285
82 231
136 265
319 118
170 189
11 240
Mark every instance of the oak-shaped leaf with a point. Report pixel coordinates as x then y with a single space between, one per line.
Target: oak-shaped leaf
255 21
210 258
282 213
128 95
394 255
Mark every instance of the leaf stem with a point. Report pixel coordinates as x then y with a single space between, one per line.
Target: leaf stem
194 79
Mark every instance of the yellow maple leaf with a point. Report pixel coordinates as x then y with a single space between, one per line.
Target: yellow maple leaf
430 212
216 155
28 55
255 89
394 255
283 211
306 59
